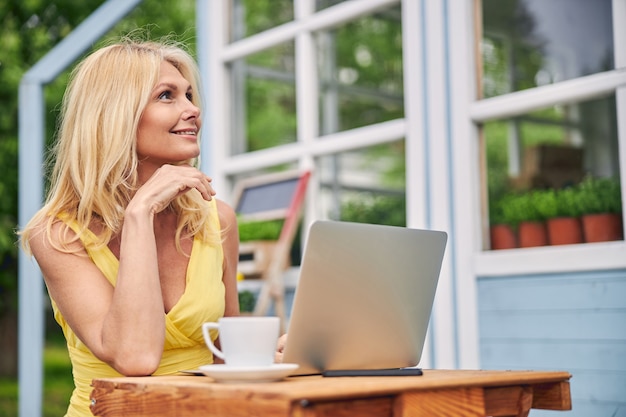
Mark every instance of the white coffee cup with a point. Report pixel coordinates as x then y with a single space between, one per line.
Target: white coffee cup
245 341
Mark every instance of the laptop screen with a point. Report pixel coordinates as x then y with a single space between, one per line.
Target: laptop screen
364 297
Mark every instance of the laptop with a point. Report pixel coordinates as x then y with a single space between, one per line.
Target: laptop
364 298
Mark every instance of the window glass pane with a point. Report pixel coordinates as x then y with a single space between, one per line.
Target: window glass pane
323 4
552 163
365 186
360 67
264 100
250 17
529 43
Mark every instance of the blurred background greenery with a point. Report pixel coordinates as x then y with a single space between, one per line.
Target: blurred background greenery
29 30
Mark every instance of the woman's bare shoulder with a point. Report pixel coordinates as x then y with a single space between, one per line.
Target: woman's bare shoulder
226 213
53 235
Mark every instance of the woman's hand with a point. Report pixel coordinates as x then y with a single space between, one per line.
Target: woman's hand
169 182
280 347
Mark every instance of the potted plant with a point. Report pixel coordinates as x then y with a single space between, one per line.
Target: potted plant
559 210
520 210
600 201
501 231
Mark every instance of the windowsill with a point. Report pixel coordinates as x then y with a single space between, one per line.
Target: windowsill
551 259
539 260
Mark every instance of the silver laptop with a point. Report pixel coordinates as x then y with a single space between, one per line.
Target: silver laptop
364 297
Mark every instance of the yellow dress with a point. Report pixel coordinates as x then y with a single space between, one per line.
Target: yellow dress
202 301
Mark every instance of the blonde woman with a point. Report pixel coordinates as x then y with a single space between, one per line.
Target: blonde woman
135 250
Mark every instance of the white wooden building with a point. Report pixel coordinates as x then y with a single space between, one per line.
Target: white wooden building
548 307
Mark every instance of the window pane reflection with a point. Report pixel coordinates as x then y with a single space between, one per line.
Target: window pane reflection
323 4
556 162
250 17
360 66
529 43
264 100
365 186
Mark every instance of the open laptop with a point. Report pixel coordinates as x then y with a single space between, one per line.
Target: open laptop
364 297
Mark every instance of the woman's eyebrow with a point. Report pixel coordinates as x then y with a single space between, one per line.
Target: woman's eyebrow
172 87
168 85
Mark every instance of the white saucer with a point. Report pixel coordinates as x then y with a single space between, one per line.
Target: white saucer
225 373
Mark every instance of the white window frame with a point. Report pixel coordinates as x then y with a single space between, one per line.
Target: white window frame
471 261
567 258
426 185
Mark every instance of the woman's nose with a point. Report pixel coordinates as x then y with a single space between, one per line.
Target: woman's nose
191 111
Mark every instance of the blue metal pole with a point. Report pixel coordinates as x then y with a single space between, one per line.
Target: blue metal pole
30 286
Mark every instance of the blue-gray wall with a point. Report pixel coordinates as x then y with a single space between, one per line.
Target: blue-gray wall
571 322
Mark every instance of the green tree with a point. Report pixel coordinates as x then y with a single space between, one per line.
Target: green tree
31 29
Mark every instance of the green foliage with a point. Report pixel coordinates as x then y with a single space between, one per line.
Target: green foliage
519 207
532 133
263 15
496 134
370 51
567 199
599 195
8 221
496 212
385 210
273 121
29 30
593 195
58 385
259 230
551 203
247 301
546 203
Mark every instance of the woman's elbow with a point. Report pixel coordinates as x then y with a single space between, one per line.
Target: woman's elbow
141 364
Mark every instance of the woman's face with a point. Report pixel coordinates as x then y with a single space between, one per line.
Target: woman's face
169 126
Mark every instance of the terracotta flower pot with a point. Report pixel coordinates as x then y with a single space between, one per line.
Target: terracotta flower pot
602 227
564 231
502 237
532 234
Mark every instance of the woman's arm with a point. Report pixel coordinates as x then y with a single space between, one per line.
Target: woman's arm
123 325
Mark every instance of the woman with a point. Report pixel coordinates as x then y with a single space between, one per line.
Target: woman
135 250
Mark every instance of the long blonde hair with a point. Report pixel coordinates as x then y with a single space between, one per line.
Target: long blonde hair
94 175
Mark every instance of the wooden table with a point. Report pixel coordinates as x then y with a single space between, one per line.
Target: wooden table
436 393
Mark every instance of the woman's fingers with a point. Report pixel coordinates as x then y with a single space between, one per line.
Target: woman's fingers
280 347
170 182
207 190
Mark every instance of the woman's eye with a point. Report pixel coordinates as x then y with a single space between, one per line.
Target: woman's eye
189 96
165 95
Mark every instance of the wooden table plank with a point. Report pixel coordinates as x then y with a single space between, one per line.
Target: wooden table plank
166 400
450 402
370 407
508 401
552 396
476 392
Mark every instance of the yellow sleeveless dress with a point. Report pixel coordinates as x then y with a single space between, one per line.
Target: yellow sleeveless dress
202 301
